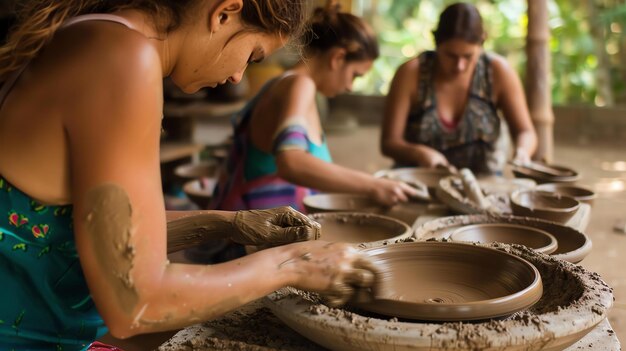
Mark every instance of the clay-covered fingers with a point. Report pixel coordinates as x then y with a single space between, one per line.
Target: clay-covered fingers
296 226
275 226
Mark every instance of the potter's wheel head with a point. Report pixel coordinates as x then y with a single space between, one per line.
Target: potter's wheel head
442 281
534 238
335 202
360 228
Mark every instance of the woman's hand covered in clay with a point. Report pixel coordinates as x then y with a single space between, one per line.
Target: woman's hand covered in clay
276 226
389 192
431 158
338 271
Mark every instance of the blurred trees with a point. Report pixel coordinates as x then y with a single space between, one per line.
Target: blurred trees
587 46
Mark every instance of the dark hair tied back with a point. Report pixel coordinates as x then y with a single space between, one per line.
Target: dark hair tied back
460 21
329 28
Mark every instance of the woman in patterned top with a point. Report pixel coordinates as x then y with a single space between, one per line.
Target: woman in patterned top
83 228
442 107
280 153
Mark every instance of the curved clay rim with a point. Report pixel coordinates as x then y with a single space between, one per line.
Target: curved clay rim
557 321
400 229
338 202
524 172
522 239
573 245
569 203
437 254
577 192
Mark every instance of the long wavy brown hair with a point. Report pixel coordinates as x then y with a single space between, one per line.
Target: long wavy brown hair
38 20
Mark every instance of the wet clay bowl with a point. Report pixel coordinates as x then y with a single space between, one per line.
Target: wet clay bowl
577 192
366 229
190 171
544 205
445 281
574 302
200 191
573 245
542 173
335 202
536 239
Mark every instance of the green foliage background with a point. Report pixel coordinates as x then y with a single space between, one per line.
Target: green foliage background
405 28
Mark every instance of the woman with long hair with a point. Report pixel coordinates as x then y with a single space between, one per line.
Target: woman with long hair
83 230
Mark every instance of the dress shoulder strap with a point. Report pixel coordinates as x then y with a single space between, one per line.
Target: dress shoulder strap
8 84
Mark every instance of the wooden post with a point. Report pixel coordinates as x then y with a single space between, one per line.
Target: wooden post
537 78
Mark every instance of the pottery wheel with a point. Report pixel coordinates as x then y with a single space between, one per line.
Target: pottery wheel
573 303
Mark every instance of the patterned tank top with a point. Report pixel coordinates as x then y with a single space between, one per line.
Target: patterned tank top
45 303
469 144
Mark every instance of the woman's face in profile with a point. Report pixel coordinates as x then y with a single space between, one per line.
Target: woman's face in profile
341 81
207 59
457 57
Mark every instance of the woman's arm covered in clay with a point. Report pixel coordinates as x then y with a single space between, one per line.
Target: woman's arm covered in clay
397 107
113 127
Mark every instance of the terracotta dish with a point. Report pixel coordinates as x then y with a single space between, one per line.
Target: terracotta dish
358 227
536 239
574 302
440 281
542 173
577 192
334 202
543 204
200 191
573 245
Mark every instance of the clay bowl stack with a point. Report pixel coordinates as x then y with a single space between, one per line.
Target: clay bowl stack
366 229
544 205
543 173
199 181
577 192
440 281
506 233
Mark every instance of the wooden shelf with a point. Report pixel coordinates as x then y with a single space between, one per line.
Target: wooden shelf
171 151
202 108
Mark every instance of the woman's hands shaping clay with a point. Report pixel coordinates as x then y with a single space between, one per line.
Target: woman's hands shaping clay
276 226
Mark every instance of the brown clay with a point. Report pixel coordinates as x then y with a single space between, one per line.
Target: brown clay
340 202
546 174
545 205
536 239
573 245
450 282
577 192
428 176
360 228
573 303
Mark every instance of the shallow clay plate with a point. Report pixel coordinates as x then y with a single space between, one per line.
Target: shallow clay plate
358 227
506 233
577 192
335 202
543 204
573 245
546 173
573 303
440 281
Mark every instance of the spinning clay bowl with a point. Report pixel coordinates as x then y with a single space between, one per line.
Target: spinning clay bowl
357 227
545 205
574 301
441 281
579 193
536 239
573 245
340 203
